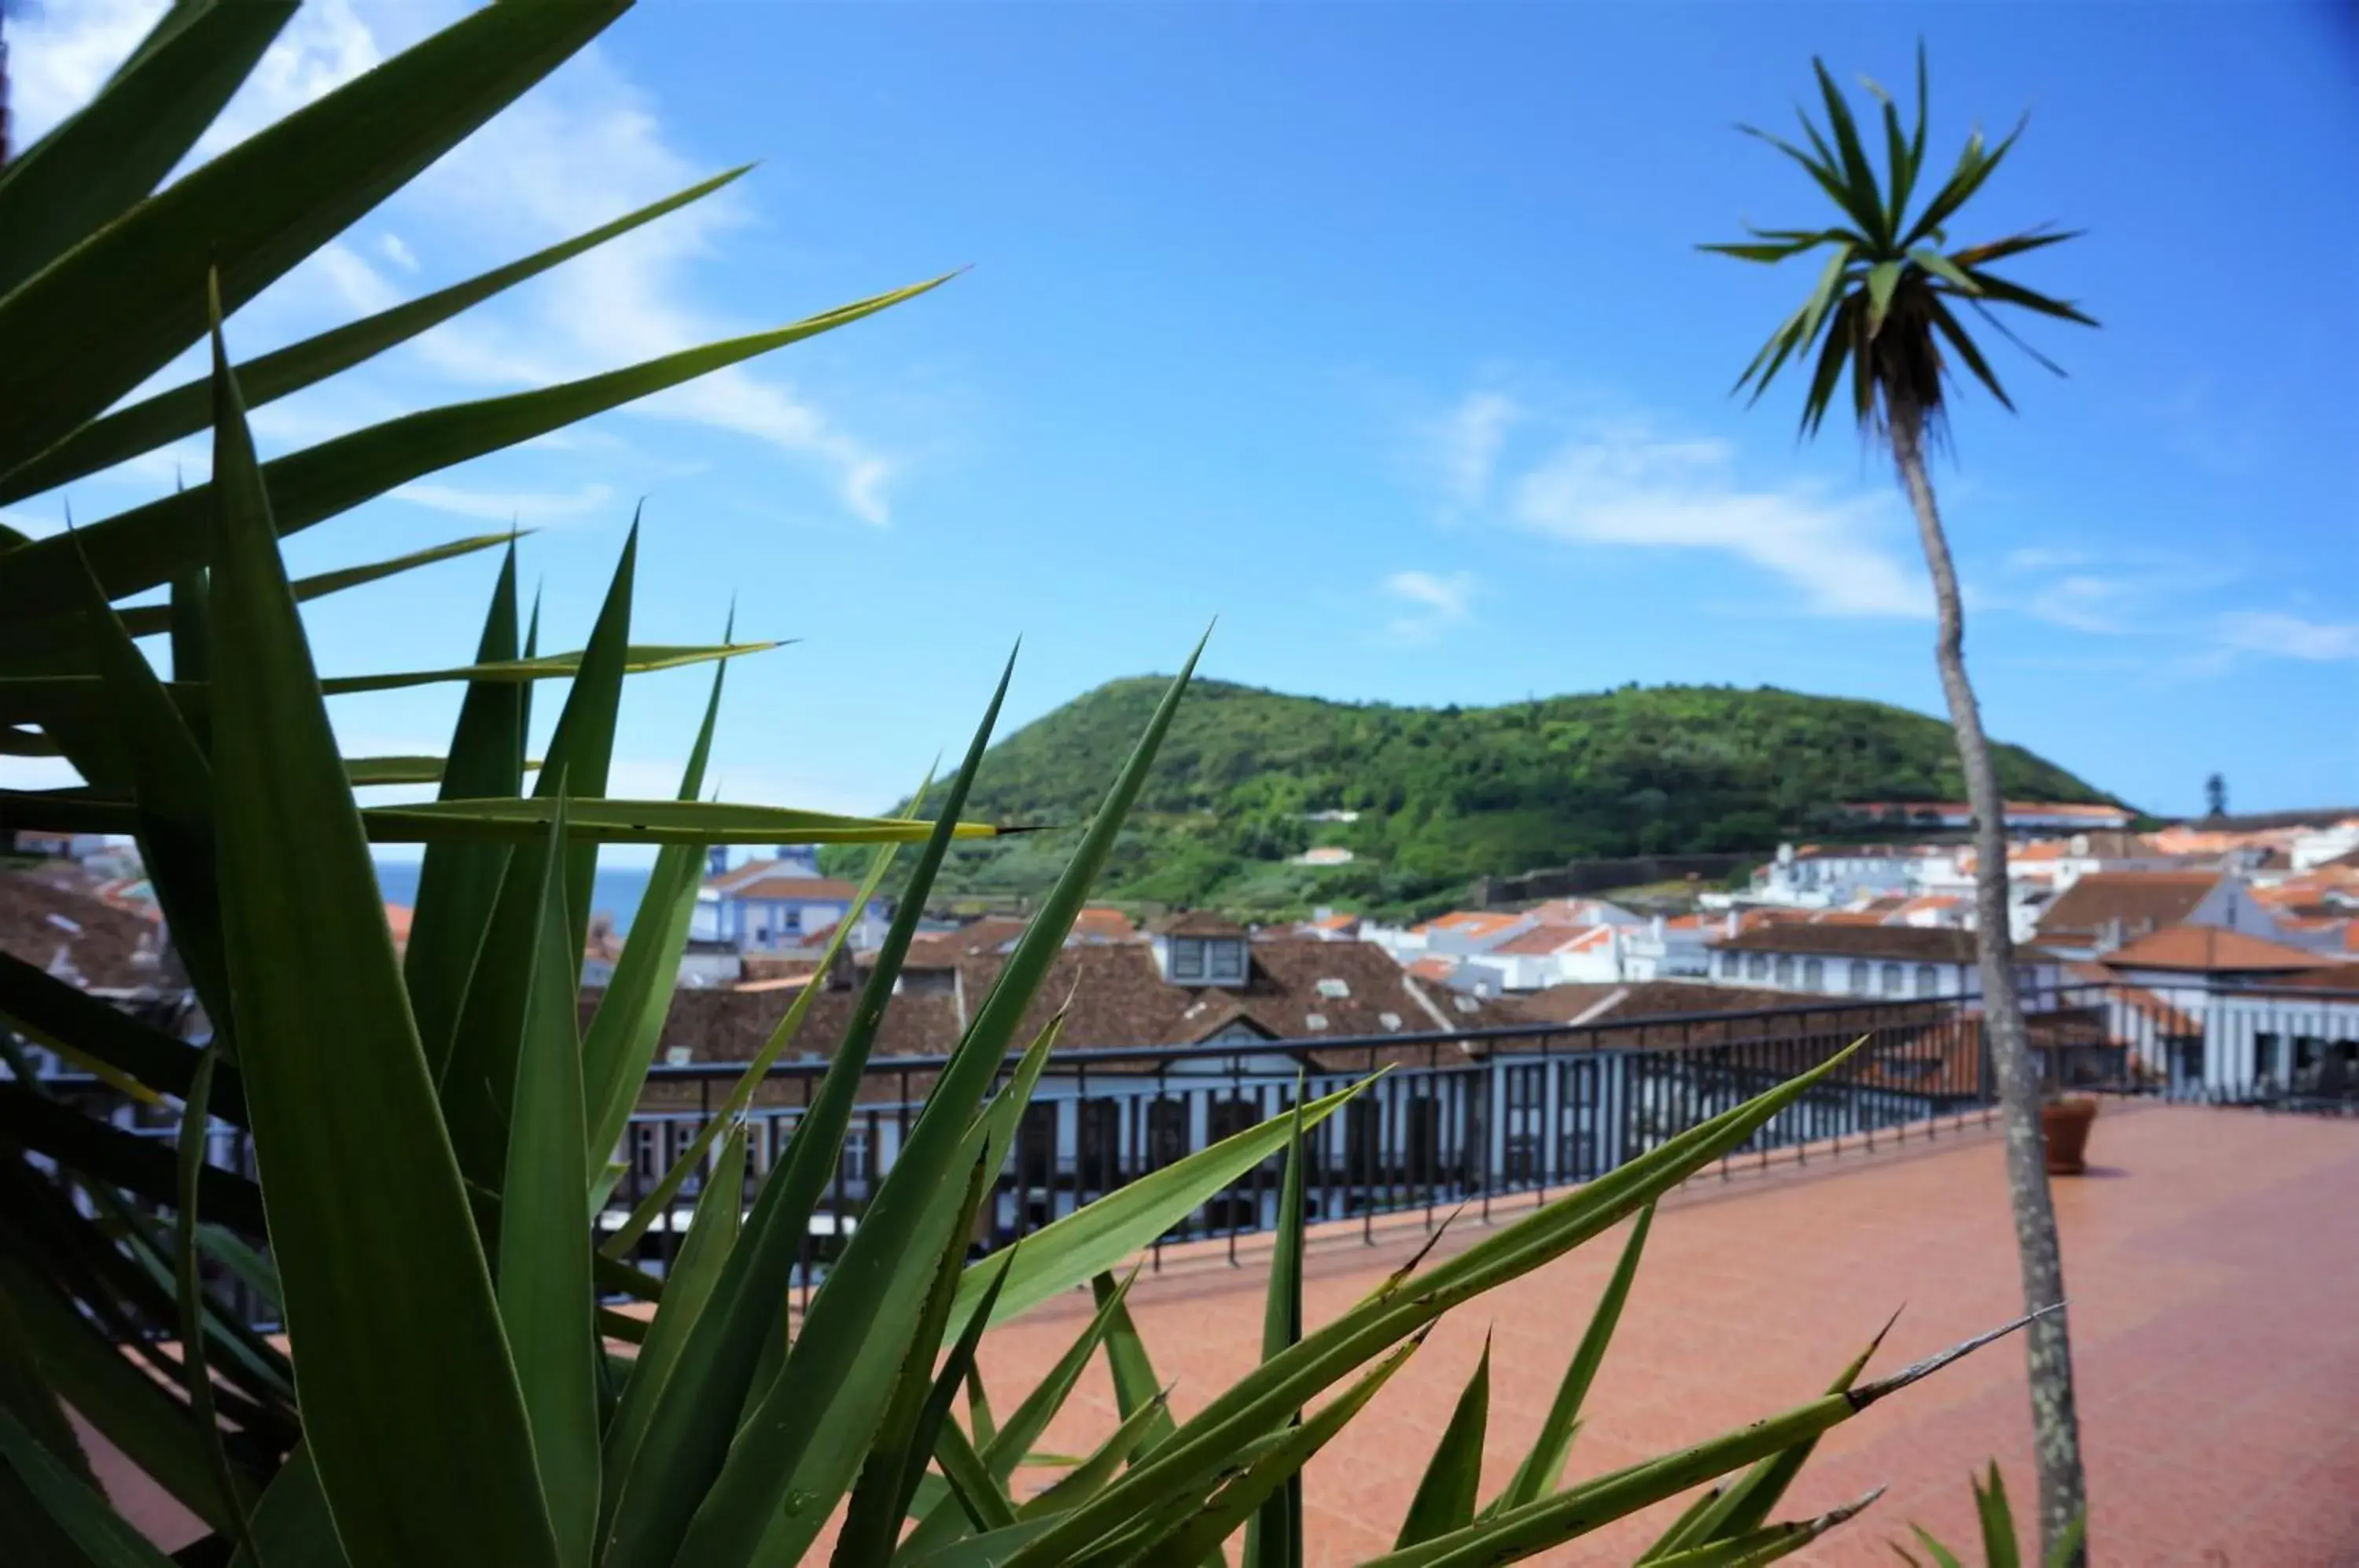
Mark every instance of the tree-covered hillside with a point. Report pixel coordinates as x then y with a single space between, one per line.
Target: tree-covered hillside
1444 795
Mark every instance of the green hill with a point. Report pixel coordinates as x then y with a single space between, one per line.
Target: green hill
1444 795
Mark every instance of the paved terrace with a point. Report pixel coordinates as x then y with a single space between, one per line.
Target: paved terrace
2213 1258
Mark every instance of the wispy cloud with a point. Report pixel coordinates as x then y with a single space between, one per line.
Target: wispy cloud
507 505
581 149
1630 487
1437 602
2282 635
1464 445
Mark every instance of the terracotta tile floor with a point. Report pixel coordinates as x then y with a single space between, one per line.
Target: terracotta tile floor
2212 1260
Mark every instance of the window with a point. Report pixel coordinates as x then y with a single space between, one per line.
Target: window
1928 980
1166 1129
1186 958
1859 976
1727 965
1814 974
1891 979
1100 1150
1227 960
1785 972
1390 1020
1756 967
1314 1022
1334 990
1036 1145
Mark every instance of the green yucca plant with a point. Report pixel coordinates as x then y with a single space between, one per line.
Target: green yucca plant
2000 1548
431 1133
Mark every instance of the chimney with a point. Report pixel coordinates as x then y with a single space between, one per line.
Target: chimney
716 860
2110 937
1730 929
840 976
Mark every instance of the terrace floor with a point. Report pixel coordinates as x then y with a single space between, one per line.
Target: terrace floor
2212 1259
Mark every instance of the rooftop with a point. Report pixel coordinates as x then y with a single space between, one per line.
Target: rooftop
1542 941
2211 1259
2209 950
81 938
2141 900
1927 944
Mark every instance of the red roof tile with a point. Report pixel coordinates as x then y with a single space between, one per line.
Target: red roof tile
1547 940
2209 950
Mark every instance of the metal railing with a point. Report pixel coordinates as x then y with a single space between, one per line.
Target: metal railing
1486 1119
1480 1118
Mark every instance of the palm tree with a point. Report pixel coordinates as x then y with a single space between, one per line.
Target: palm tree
1885 305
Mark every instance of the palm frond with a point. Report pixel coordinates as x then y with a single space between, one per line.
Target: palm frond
1878 299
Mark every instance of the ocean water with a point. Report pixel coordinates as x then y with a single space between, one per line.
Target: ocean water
616 892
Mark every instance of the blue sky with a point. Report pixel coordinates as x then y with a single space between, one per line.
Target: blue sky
1375 332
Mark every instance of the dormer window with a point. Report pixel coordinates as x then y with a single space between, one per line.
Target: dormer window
1210 960
1201 948
1334 990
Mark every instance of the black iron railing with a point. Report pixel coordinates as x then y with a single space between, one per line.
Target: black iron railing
1481 1119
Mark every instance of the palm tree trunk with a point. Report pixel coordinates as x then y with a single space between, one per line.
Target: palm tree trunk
2055 1422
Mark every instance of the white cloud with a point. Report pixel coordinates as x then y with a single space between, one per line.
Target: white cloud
575 152
2044 557
501 506
2282 635
2083 602
361 287
1439 601
60 54
1630 487
1465 444
573 155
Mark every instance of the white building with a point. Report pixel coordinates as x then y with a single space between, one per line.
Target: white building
1670 949
780 905
1848 959
1820 876
2316 846
1557 955
2221 1012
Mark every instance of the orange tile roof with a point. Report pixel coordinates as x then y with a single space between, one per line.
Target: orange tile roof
793 890
2209 950
2140 899
1546 940
1474 922
1105 923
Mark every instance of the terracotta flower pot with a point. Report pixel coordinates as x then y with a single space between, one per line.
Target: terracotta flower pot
2064 1127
